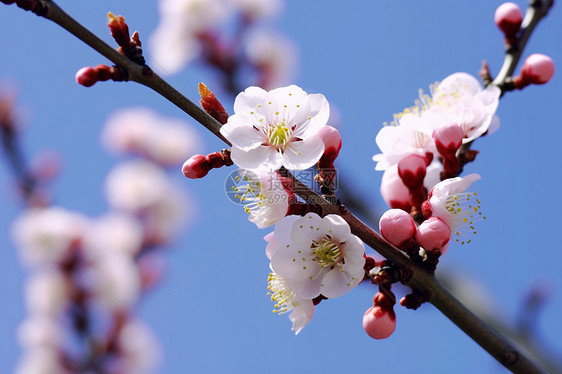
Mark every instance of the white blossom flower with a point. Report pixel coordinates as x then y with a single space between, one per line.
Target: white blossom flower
45 235
276 128
264 194
166 141
407 134
143 189
460 99
113 233
135 185
275 55
168 215
318 255
173 45
175 41
286 300
46 292
197 15
457 208
259 8
116 281
40 331
40 360
139 348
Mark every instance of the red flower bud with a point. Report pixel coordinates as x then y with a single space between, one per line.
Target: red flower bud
211 104
87 76
196 167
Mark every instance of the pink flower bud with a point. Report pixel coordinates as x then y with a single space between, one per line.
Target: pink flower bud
378 323
448 139
537 69
196 167
332 142
398 228
393 190
411 170
433 234
426 208
87 76
508 18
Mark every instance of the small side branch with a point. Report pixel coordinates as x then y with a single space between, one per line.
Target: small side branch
536 11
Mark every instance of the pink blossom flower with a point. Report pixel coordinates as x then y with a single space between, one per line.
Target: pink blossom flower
276 128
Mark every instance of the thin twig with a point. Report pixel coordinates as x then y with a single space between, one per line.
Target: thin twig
536 11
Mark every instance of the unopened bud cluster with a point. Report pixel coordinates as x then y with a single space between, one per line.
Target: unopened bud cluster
449 212
537 68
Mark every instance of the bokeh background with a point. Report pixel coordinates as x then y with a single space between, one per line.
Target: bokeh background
211 312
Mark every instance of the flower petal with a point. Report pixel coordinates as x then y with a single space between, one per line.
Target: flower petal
241 133
337 283
336 227
301 315
308 288
257 158
248 101
283 229
307 229
318 109
301 155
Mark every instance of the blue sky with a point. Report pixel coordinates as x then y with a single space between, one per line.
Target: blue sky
369 59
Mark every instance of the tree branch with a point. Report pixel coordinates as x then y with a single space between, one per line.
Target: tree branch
492 341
